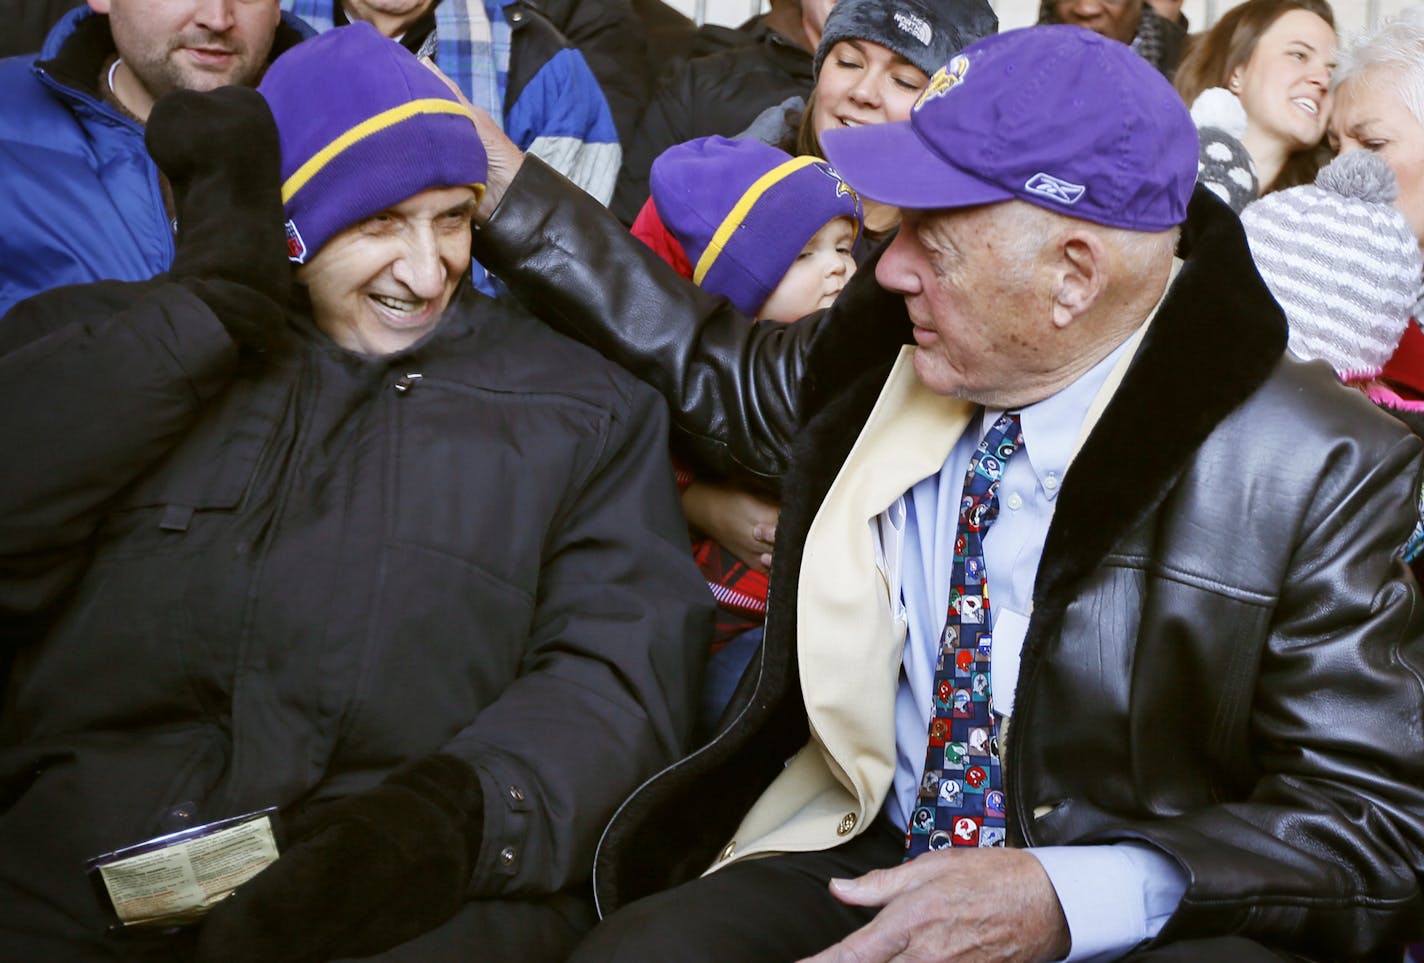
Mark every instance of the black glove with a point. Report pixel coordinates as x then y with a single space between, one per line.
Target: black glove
360 874
220 152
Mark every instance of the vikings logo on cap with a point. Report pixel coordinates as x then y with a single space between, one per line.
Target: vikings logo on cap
842 188
945 79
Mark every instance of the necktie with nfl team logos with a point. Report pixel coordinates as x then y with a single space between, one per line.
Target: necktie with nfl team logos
961 796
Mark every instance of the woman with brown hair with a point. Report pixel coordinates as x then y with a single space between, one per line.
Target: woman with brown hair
1273 58
874 59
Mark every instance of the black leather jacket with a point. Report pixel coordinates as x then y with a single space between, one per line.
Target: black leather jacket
1225 655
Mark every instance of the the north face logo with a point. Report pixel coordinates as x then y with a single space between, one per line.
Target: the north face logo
914 26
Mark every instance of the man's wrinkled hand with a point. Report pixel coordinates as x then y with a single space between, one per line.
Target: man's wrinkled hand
987 904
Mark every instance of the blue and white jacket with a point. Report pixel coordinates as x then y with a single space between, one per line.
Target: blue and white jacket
511 60
80 199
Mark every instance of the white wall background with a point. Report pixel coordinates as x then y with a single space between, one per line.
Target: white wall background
1350 15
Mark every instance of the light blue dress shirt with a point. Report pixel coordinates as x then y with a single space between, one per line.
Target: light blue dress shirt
1113 896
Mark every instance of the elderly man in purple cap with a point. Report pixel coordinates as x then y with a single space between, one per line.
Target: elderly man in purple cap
379 600
1188 720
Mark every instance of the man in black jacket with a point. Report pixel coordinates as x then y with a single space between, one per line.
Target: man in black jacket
398 560
1206 675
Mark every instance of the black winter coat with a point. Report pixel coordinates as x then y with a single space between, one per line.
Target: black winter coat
1225 657
720 93
243 580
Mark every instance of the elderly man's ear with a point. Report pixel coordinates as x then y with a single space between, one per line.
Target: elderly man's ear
1080 272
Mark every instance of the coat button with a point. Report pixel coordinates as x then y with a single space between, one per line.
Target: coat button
516 793
506 856
727 851
846 825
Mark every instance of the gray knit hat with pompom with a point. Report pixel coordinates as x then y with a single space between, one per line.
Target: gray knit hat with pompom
1341 261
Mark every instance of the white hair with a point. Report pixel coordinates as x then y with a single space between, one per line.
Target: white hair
1391 51
1140 250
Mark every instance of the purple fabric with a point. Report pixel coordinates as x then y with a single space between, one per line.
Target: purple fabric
1056 116
326 86
696 187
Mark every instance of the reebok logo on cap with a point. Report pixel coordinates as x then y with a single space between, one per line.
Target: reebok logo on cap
1054 188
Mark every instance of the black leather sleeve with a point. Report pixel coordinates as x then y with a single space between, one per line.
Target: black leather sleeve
733 384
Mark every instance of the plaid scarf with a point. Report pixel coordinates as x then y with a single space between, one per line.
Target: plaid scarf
470 43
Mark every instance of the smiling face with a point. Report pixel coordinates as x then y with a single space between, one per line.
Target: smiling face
817 275
864 83
168 45
1369 115
381 285
1283 86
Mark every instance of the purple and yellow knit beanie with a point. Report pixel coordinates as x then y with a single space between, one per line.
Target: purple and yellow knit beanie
363 126
743 210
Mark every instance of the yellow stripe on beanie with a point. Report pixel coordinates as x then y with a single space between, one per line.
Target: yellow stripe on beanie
372 125
739 211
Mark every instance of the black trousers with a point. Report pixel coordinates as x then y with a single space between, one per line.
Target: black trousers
779 909
773 909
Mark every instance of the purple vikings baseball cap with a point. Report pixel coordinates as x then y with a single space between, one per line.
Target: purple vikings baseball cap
1057 116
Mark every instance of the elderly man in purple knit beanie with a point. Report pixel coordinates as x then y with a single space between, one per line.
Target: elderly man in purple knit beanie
340 604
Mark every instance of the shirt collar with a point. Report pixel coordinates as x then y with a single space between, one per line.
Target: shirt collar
1051 426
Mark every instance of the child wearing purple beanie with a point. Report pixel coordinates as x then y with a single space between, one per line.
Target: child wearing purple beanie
748 221
775 235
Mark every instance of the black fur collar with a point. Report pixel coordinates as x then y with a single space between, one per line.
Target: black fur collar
1216 338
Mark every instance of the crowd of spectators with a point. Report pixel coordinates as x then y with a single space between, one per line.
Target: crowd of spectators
677 643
